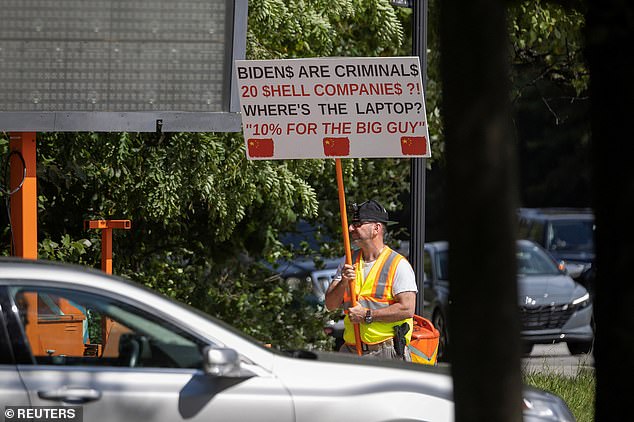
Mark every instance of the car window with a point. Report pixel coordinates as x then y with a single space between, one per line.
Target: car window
427 265
5 348
532 260
443 265
523 228
66 327
535 232
571 236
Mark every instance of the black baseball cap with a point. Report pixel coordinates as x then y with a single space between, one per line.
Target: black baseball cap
371 211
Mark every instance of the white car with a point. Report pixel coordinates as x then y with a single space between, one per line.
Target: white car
76 337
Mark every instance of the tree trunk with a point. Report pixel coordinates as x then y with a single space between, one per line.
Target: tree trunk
609 48
482 197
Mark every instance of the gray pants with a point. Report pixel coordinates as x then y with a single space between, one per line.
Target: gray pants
381 353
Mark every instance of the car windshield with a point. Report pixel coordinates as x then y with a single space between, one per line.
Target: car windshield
573 236
531 260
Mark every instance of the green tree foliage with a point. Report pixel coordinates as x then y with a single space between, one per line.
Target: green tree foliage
550 96
202 215
547 40
319 28
550 106
546 50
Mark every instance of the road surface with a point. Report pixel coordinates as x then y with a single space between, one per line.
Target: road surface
555 358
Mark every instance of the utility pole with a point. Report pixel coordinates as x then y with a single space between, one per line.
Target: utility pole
417 167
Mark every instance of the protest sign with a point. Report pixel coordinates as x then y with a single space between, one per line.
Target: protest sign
370 107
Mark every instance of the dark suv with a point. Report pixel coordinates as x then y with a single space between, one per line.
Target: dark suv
567 233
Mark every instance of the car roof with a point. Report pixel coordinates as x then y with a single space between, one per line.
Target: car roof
443 245
438 245
16 267
556 213
54 273
84 278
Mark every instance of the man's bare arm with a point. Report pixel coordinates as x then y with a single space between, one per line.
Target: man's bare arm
334 294
403 307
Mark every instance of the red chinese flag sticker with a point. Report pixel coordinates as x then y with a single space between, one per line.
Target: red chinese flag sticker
413 145
336 147
261 147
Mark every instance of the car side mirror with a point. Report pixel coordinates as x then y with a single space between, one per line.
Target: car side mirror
572 269
221 362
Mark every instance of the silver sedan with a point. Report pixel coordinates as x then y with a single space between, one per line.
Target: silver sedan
74 336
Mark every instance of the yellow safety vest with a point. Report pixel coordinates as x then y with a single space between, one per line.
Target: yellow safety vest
374 292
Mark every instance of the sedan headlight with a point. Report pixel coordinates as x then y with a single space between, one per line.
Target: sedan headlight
541 406
582 301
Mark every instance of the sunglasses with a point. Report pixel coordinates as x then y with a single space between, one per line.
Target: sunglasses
358 224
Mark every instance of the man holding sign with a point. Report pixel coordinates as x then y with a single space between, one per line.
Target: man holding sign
385 286
346 107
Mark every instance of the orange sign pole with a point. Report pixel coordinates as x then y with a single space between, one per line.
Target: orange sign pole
346 246
106 227
23 188
24 199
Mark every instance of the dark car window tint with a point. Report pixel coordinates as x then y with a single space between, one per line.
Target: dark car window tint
427 264
572 236
524 228
443 265
66 327
5 349
536 232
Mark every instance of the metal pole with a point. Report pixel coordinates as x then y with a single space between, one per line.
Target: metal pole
24 200
417 168
106 227
106 238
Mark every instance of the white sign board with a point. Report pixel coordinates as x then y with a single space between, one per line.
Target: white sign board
348 107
